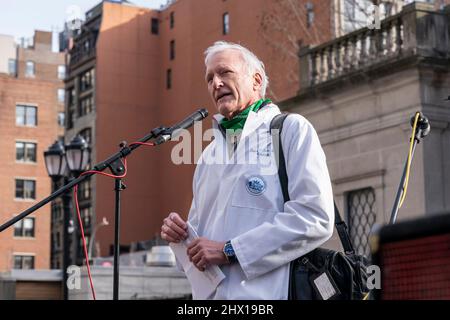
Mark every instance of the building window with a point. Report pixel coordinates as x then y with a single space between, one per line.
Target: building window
155 26
61 118
172 20
24 228
309 14
169 79
226 23
71 118
71 108
25 151
87 46
86 105
86 216
26 116
87 135
172 49
29 69
58 240
71 93
61 72
23 262
25 189
361 215
85 190
12 67
61 95
57 209
87 80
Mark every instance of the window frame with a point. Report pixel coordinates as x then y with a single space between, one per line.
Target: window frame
172 19
25 153
20 226
14 71
26 109
22 257
29 63
61 119
169 79
172 49
226 23
367 192
61 93
61 74
154 26
24 189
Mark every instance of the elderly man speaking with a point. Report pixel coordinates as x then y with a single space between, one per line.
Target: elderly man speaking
238 210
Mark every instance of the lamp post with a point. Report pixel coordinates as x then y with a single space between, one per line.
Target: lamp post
75 156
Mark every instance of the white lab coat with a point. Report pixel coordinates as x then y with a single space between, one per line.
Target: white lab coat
265 232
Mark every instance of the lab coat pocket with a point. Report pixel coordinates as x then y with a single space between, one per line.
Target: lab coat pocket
256 191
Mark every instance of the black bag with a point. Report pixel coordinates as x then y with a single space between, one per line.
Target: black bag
323 274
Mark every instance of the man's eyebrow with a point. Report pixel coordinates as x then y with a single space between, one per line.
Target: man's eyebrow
218 68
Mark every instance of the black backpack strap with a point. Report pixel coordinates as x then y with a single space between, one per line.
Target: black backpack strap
342 230
277 124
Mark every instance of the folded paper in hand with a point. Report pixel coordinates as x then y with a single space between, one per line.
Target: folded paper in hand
204 283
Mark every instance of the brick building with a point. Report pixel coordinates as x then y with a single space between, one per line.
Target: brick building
31 118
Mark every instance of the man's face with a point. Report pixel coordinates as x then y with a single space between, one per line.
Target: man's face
230 85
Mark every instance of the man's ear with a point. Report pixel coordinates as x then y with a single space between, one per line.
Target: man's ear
257 81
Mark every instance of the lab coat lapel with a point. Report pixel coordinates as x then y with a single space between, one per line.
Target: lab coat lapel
254 120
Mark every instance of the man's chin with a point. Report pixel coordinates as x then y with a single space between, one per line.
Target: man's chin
226 109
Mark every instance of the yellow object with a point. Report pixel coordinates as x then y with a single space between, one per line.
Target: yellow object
408 166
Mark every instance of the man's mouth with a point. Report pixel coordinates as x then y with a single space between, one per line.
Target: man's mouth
222 95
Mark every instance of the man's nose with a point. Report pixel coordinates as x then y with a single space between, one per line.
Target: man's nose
217 82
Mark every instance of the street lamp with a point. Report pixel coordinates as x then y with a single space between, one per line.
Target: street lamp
55 160
98 226
75 156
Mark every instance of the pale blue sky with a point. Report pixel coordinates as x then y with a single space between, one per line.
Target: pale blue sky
19 18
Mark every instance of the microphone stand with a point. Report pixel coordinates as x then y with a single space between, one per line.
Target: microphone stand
117 167
423 128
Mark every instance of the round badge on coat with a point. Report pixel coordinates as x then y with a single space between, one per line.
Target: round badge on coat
255 185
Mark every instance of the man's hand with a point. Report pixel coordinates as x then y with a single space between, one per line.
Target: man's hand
174 229
203 252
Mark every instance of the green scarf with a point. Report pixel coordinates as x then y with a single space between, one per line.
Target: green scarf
238 121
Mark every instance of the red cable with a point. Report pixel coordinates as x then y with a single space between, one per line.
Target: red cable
150 144
80 222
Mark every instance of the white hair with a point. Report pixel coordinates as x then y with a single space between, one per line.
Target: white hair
253 64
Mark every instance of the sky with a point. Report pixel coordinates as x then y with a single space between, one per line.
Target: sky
19 18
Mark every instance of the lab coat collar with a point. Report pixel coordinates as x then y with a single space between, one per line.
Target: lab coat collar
254 120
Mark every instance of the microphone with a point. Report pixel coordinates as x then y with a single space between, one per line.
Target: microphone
423 124
171 132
